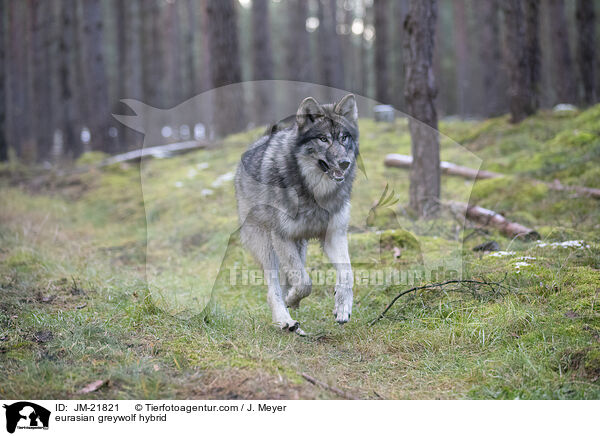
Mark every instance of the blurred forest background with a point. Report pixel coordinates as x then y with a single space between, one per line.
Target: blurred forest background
66 64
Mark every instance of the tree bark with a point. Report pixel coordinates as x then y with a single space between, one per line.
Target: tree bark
262 63
130 78
69 122
151 66
298 59
563 71
493 78
420 92
533 53
3 98
95 76
171 58
586 49
331 62
521 95
462 56
382 51
225 65
400 9
43 112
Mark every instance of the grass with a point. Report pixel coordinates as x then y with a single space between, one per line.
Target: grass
80 303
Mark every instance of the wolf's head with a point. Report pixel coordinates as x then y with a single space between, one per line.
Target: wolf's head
328 136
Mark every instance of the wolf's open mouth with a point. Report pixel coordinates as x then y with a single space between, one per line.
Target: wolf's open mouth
323 165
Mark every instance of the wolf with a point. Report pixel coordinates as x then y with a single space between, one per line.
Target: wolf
292 185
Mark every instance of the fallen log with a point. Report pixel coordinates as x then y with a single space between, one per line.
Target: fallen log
487 217
157 151
405 161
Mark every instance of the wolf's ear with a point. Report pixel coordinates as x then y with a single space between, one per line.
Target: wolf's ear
347 108
308 112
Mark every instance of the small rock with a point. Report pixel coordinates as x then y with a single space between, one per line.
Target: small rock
571 314
43 336
487 246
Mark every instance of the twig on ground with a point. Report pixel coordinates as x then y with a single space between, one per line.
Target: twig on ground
333 389
434 285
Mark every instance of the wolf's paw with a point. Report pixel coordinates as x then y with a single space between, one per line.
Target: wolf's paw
342 316
291 326
343 304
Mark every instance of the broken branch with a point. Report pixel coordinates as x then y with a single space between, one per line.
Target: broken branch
333 389
430 286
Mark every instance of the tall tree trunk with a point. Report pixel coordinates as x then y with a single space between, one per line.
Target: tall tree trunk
190 50
420 92
586 49
262 63
42 81
382 51
171 59
225 65
297 48
490 53
151 65
130 78
330 59
69 123
3 76
533 53
462 59
563 70
521 95
95 73
400 9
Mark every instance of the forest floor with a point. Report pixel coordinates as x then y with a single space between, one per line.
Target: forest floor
79 302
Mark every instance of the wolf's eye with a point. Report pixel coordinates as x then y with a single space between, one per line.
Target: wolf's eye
323 138
344 139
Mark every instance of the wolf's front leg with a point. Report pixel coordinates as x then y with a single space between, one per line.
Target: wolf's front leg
335 246
292 255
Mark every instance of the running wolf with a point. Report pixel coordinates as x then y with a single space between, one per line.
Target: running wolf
292 185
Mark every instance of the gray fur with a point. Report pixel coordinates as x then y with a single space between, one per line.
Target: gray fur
291 186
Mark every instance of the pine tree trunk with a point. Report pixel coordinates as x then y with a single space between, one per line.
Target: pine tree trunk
190 50
382 51
493 80
563 70
69 123
400 9
3 99
330 60
262 63
521 94
171 59
586 49
420 92
95 76
151 66
225 65
462 59
130 79
42 82
298 43
532 50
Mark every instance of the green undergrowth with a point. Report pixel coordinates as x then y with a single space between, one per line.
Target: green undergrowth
124 274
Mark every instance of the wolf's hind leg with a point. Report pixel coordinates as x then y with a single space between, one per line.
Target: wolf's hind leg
258 242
